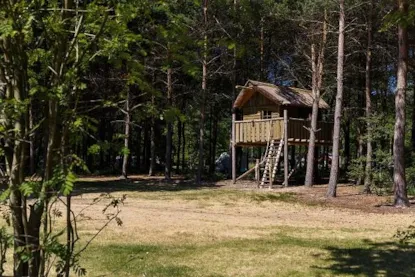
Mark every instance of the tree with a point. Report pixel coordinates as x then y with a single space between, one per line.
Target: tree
201 163
317 64
368 92
399 178
338 109
45 50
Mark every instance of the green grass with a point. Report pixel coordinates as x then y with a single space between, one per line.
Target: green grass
280 254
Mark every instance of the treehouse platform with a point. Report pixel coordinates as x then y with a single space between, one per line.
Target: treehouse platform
265 114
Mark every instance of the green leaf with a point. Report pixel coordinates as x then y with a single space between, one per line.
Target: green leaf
5 195
125 151
94 149
69 183
29 188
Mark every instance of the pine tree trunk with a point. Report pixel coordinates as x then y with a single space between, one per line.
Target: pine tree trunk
334 172
184 146
309 178
169 135
179 142
368 91
138 149
214 142
152 142
261 40
146 141
201 164
347 153
127 124
317 64
413 125
210 140
401 198
360 149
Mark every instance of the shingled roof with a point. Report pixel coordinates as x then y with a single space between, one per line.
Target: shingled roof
281 95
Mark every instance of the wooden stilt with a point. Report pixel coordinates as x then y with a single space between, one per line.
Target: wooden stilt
257 172
286 147
233 148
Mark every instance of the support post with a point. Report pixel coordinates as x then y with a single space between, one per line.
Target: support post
257 172
271 179
286 147
233 148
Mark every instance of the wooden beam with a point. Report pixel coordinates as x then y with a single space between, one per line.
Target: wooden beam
246 173
286 147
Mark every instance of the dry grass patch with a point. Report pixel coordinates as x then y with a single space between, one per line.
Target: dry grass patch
188 231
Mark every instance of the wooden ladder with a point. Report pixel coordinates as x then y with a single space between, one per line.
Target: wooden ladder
277 159
272 159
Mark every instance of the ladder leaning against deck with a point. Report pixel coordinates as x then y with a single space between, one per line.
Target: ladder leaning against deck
272 158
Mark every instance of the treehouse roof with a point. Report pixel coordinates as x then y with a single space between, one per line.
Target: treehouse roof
280 95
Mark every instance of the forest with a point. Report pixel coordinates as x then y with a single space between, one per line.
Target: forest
148 87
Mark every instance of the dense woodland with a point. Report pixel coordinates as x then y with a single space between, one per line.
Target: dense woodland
144 86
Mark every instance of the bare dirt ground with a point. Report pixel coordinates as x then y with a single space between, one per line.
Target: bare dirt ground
348 197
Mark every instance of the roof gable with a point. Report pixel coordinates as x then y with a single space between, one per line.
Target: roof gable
280 95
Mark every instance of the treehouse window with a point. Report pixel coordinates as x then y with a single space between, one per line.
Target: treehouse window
266 115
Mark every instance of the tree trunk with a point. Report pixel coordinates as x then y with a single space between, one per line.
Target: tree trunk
401 198
368 91
347 153
261 48
360 147
309 178
31 141
210 140
214 142
203 96
152 147
169 135
413 120
127 125
138 149
317 63
184 146
334 172
179 142
14 163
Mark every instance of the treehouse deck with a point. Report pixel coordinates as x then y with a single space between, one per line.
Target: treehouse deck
260 131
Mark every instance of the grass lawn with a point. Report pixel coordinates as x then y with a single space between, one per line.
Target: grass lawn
184 231
231 232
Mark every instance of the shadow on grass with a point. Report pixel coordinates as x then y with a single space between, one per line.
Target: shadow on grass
137 184
374 259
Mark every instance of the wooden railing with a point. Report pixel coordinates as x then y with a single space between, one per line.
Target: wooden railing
260 131
298 130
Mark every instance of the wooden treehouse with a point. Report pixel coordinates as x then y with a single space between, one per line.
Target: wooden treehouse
274 117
